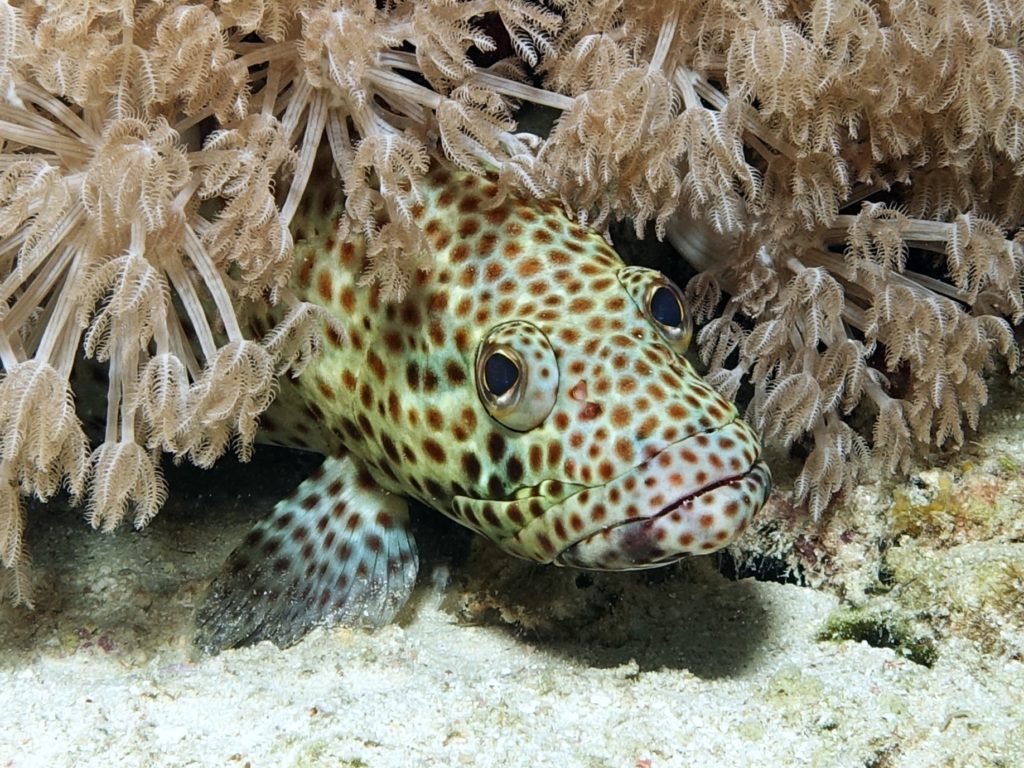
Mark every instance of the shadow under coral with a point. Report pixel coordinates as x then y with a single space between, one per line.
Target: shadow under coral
134 593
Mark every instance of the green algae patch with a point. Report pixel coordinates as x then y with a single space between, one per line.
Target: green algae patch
974 591
973 502
880 629
948 506
1008 465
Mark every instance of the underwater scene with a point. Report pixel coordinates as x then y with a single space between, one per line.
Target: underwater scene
544 382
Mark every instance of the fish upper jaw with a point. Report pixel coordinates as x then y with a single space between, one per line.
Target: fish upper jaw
693 497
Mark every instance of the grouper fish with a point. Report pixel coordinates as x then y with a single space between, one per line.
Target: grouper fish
530 386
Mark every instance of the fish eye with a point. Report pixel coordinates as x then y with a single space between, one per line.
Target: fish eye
662 303
501 373
517 375
665 307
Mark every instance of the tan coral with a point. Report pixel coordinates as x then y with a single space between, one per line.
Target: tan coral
847 177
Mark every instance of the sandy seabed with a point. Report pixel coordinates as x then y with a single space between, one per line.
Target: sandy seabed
495 663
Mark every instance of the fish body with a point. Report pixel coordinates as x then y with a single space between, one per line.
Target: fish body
529 385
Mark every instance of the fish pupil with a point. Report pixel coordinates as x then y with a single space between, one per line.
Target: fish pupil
500 374
665 308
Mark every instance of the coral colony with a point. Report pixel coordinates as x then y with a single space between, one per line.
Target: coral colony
846 176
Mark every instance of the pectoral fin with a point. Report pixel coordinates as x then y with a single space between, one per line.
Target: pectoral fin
339 550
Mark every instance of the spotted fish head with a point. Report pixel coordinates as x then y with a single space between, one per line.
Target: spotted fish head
594 443
618 455
530 385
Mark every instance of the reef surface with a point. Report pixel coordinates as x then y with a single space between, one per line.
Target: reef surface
888 635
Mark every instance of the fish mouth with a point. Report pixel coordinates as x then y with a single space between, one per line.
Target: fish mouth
697 523
692 497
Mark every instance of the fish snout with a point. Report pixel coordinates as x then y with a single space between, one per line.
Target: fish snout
693 497
697 525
